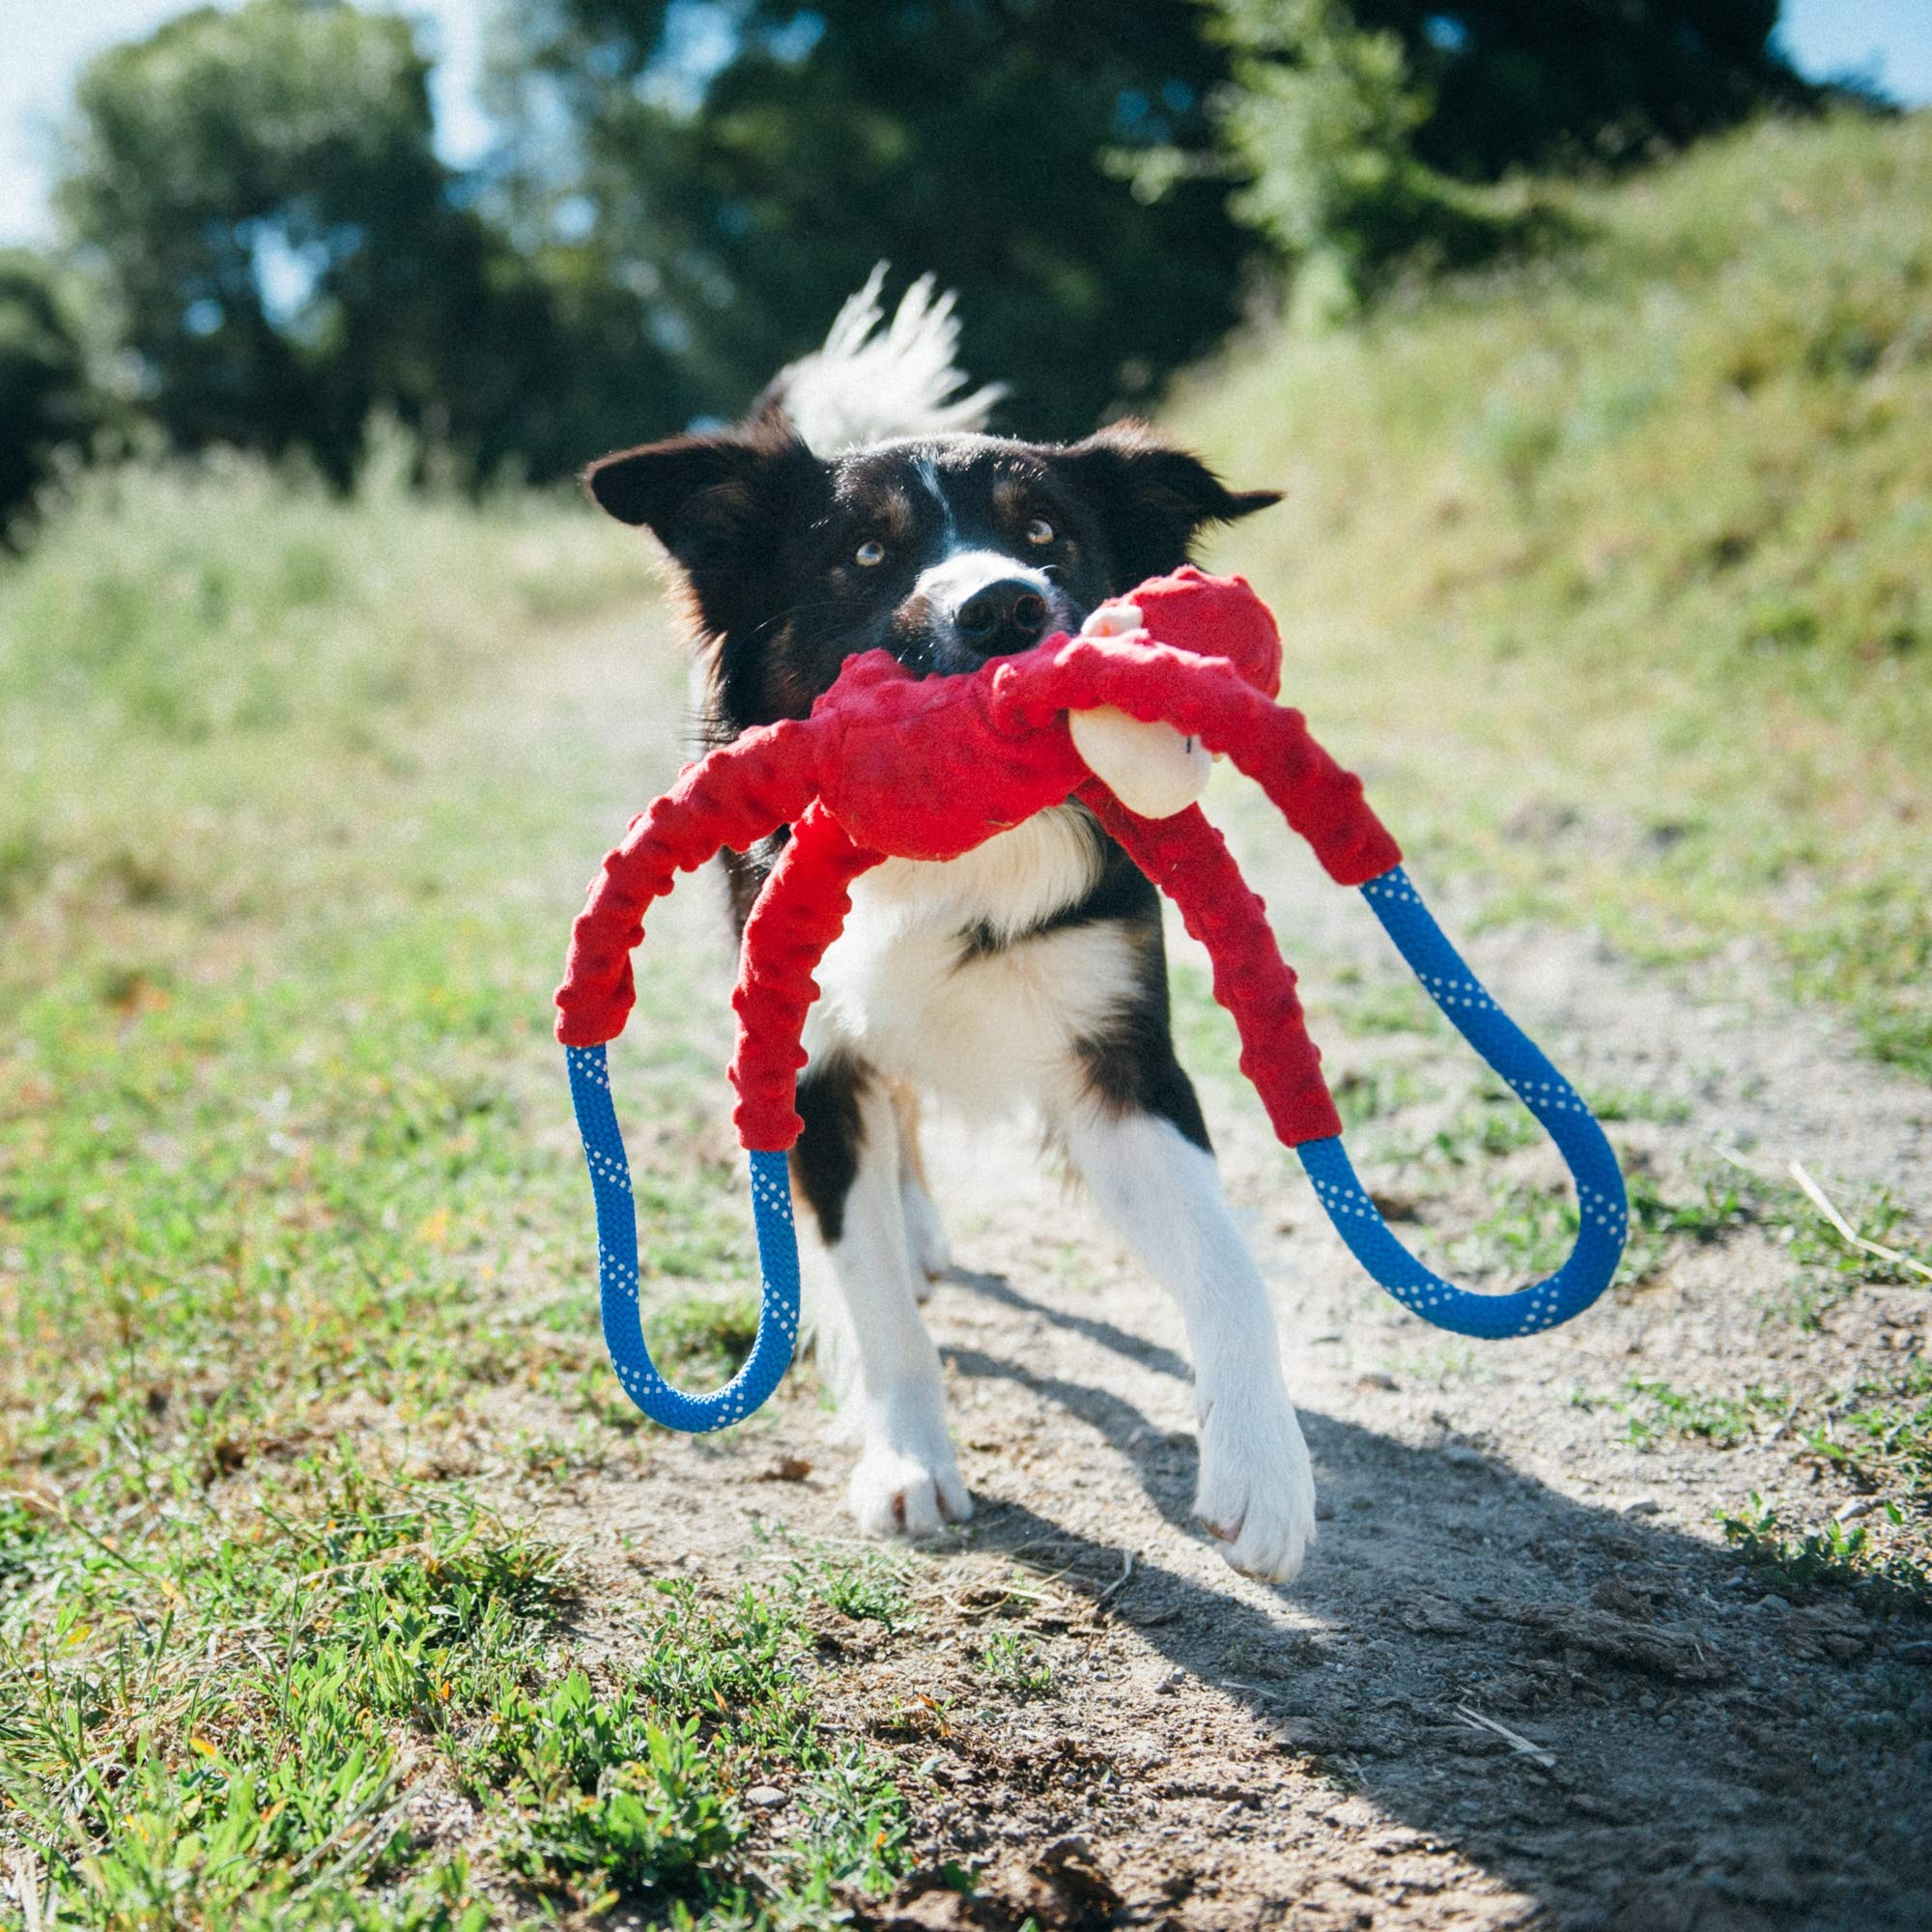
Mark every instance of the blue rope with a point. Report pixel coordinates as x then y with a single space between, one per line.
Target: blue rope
617 1267
1603 1212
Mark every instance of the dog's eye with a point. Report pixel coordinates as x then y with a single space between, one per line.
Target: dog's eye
869 554
1039 531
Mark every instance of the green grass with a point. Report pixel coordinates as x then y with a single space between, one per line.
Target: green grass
289 1214
1881 1436
232 1723
206 1724
867 1586
1657 1410
1613 572
1009 1662
224 600
1872 1436
636 1793
1529 1231
1886 1565
1376 1093
1613 1104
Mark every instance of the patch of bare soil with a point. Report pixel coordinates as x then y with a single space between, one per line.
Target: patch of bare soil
1522 1682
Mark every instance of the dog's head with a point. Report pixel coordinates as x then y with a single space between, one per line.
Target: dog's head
945 552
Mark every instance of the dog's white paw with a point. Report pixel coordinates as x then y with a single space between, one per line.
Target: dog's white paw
925 1236
1256 1490
907 1483
893 1493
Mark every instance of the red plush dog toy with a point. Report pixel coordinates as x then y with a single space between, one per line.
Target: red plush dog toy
892 765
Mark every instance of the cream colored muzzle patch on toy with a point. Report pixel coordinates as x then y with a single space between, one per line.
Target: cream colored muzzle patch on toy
1153 769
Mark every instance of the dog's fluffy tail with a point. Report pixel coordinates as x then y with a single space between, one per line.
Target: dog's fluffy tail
875 382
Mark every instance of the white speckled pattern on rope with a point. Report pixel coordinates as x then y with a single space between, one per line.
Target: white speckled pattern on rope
1603 1211
617 1267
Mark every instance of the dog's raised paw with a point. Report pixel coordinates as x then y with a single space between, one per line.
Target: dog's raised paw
1257 1491
895 1494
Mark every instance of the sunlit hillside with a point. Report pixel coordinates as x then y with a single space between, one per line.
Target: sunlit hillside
1616 570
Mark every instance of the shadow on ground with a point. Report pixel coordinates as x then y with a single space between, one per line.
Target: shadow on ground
1606 1714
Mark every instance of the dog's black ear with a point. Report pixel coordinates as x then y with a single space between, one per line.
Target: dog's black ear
1154 500
718 504
690 484
651 485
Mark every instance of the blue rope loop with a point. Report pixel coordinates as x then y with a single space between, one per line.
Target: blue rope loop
1603 1211
617 1267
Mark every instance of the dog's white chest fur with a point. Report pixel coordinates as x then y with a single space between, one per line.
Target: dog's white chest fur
903 987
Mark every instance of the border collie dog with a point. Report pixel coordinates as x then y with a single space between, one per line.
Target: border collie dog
860 506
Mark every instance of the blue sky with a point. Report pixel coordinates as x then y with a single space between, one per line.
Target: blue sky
47 42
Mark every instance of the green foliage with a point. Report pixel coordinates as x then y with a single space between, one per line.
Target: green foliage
701 1338
1373 133
1636 1103
742 167
225 602
1874 1436
363 1628
687 191
1878 941
1389 1006
1881 1436
1008 1662
345 1615
1364 1094
1528 1231
285 254
1323 116
1845 1557
253 1107
1510 86
47 405
639 1788
621 1797
1657 1410
868 1586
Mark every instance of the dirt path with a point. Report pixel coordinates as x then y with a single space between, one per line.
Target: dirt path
1522 1681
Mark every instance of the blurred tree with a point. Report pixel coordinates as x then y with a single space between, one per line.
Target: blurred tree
47 405
1374 129
259 194
739 165
1558 84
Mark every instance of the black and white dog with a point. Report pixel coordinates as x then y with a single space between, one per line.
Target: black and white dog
859 507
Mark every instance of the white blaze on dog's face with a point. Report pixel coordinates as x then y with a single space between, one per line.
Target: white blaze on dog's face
982 604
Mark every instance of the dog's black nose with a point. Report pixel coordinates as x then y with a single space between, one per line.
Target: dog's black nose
1006 616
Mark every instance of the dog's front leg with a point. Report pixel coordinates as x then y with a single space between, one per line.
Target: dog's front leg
926 1233
1162 1196
848 1166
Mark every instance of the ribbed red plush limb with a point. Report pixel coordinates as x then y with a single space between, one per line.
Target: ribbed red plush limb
1213 617
799 913
1210 698
891 764
920 767
1189 861
735 797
